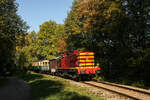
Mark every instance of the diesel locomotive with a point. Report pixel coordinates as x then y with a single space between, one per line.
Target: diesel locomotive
76 65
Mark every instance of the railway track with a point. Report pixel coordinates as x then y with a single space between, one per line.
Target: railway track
126 91
130 93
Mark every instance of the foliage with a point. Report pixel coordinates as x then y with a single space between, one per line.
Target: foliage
45 44
98 78
117 31
138 84
61 37
51 40
46 48
72 28
12 29
27 53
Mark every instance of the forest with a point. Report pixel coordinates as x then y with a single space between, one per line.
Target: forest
118 31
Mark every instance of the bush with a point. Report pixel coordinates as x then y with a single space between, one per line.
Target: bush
99 78
139 84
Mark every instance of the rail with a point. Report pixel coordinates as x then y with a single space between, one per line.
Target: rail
130 92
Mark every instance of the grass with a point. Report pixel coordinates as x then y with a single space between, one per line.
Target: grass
45 87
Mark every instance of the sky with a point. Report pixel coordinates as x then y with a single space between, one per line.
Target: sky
36 12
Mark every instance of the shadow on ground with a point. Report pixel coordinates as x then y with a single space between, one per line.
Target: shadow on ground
28 76
51 90
45 88
72 96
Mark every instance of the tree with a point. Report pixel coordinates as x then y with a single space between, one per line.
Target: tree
46 49
60 38
11 29
51 40
73 29
116 30
27 53
138 13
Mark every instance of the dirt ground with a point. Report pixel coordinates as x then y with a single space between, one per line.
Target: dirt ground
15 89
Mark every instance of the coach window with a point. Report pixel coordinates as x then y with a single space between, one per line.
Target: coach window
46 63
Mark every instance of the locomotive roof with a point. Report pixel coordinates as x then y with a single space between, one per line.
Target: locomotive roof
54 58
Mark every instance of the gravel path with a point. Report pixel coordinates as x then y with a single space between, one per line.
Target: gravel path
15 89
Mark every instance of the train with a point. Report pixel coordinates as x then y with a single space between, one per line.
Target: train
76 65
